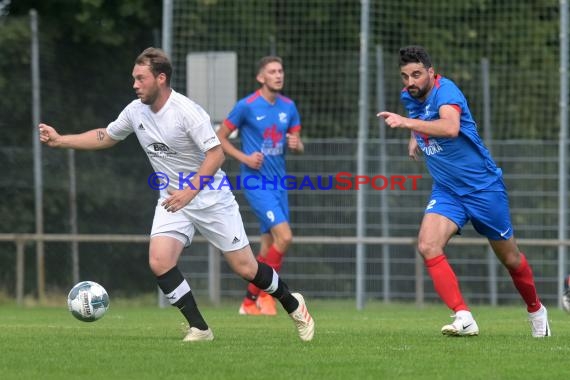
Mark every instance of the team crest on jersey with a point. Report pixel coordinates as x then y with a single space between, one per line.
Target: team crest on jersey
159 150
428 114
282 117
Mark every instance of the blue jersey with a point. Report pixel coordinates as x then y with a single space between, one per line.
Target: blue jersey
263 127
461 164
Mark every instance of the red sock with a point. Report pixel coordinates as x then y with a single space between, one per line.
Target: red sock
274 258
445 283
524 282
252 290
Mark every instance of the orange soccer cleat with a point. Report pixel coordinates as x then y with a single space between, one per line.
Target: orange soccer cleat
249 307
266 304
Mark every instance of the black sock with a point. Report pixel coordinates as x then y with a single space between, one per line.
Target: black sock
269 281
177 291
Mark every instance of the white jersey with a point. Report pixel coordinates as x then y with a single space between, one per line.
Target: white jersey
174 139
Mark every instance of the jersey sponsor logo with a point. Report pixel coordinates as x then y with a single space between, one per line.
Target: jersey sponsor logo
159 150
273 134
209 141
272 145
430 147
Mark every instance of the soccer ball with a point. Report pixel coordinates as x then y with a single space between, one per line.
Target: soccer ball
566 295
88 301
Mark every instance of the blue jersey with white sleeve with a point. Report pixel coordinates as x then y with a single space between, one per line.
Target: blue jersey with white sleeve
460 164
263 127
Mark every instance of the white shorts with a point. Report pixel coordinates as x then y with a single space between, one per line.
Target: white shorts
220 224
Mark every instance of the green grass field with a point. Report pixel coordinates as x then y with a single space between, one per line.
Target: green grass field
381 342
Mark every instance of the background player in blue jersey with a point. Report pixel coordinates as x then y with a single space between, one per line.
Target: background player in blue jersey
269 125
468 186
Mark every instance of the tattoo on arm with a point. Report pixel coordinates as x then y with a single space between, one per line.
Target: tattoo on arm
100 135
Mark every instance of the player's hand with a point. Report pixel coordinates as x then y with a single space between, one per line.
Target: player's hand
393 120
178 199
413 149
254 160
294 142
48 135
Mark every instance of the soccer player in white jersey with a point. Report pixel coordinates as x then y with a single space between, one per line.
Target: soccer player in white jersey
178 138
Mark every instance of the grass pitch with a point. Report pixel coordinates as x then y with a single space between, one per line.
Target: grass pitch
381 342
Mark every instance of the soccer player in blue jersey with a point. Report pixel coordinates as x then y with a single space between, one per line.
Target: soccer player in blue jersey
468 186
269 125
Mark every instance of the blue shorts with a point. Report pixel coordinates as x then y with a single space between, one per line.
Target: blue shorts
270 206
488 211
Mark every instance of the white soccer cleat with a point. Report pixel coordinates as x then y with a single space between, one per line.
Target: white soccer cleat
539 323
303 320
463 325
196 335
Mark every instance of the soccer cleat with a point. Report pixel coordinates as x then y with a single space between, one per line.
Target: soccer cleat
266 304
463 325
249 309
303 320
539 326
196 335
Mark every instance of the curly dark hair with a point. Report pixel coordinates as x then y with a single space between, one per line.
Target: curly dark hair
414 54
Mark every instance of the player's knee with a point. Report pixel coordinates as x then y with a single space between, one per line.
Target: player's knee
283 241
429 249
510 260
158 265
247 271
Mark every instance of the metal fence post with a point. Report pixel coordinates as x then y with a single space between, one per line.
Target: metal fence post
419 266
214 281
20 244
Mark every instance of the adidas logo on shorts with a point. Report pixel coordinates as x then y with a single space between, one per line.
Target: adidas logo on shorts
236 240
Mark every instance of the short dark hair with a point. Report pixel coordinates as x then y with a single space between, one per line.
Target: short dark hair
157 60
266 61
414 54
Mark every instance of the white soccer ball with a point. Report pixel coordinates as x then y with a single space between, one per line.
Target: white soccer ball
88 301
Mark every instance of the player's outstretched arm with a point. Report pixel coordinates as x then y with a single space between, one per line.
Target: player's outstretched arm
90 140
446 126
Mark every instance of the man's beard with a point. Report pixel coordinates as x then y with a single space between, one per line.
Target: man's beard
418 92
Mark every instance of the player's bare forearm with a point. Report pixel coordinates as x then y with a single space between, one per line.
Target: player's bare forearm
446 126
227 146
90 140
212 163
180 198
254 161
436 128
